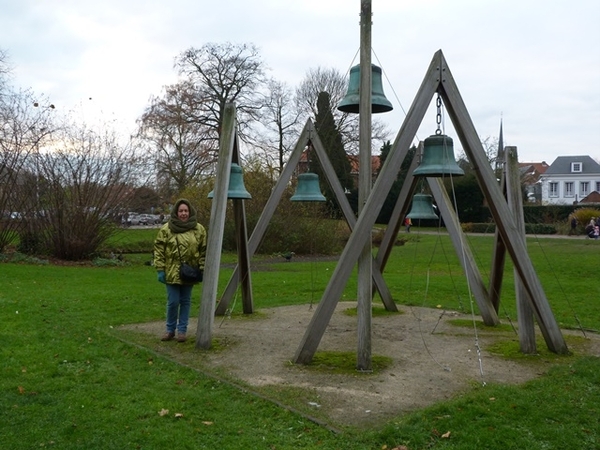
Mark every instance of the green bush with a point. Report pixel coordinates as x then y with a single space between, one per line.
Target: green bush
295 226
583 216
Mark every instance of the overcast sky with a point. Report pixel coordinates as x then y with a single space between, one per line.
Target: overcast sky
535 64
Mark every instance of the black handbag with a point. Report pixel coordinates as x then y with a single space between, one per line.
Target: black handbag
187 273
190 274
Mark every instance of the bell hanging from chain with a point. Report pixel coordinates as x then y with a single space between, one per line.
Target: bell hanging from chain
438 158
422 208
308 189
379 103
236 189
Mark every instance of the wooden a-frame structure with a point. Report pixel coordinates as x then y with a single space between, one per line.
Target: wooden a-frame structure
509 238
438 79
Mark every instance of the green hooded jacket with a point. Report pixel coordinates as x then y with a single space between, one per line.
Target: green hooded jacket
178 242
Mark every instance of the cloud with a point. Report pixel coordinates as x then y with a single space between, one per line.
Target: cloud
534 63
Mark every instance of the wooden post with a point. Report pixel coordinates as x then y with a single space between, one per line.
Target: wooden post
515 202
365 287
241 228
507 227
463 251
362 231
437 78
215 230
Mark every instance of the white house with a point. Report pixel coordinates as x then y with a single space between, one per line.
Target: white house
570 179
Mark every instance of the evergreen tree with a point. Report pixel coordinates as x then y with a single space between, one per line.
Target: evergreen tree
334 147
392 197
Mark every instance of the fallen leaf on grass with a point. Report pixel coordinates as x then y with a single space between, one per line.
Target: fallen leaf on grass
21 390
163 412
206 422
446 435
178 415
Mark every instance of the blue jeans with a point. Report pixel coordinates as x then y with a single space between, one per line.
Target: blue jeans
179 302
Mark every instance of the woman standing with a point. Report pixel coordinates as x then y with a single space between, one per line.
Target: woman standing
181 240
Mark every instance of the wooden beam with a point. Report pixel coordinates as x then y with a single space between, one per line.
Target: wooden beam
364 294
399 212
267 213
239 212
515 202
463 251
499 208
342 200
366 220
215 230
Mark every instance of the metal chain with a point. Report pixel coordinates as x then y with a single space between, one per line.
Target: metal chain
438 117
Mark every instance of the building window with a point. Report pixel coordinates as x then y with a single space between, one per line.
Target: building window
597 186
569 189
576 167
553 187
584 188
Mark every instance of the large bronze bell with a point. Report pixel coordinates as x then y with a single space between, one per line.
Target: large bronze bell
438 158
422 208
236 190
379 103
308 189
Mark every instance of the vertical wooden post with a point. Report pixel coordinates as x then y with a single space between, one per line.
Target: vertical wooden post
362 231
515 243
365 286
241 228
515 202
215 230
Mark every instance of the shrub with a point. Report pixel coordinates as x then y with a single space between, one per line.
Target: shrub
583 216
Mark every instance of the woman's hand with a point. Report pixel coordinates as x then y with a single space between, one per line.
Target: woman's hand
162 277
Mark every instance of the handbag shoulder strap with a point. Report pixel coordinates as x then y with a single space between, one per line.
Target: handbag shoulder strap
178 251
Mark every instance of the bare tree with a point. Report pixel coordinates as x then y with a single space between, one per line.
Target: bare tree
224 73
336 85
184 147
24 127
89 177
4 70
281 123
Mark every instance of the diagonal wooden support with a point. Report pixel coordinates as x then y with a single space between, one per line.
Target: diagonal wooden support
376 272
514 241
463 251
438 78
307 137
366 220
398 213
265 217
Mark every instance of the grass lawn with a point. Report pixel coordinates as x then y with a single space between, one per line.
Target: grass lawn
68 382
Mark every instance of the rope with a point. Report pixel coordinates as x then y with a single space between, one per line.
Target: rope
392 88
462 246
416 316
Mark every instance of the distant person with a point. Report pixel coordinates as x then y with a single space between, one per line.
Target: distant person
408 224
596 232
181 239
589 229
573 226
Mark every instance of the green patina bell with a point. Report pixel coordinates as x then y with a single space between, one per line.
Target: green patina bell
236 190
379 103
422 208
438 158
308 189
